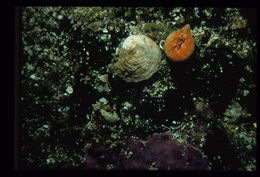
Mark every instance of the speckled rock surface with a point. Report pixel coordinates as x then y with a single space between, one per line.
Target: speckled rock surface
65 84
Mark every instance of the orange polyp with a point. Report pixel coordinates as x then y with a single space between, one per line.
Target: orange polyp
179 45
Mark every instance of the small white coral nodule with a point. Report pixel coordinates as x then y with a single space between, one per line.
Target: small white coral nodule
139 59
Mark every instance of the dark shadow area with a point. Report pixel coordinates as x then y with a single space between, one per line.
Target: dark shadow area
219 151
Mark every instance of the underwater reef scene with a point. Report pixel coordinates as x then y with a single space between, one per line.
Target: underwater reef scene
137 88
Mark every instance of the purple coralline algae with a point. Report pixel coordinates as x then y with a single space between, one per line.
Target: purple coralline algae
160 152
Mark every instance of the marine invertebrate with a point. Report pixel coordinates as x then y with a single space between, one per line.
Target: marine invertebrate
139 59
179 45
161 151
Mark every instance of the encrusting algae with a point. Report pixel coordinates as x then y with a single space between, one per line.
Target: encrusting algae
179 45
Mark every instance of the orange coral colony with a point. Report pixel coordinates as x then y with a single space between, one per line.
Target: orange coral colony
179 45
